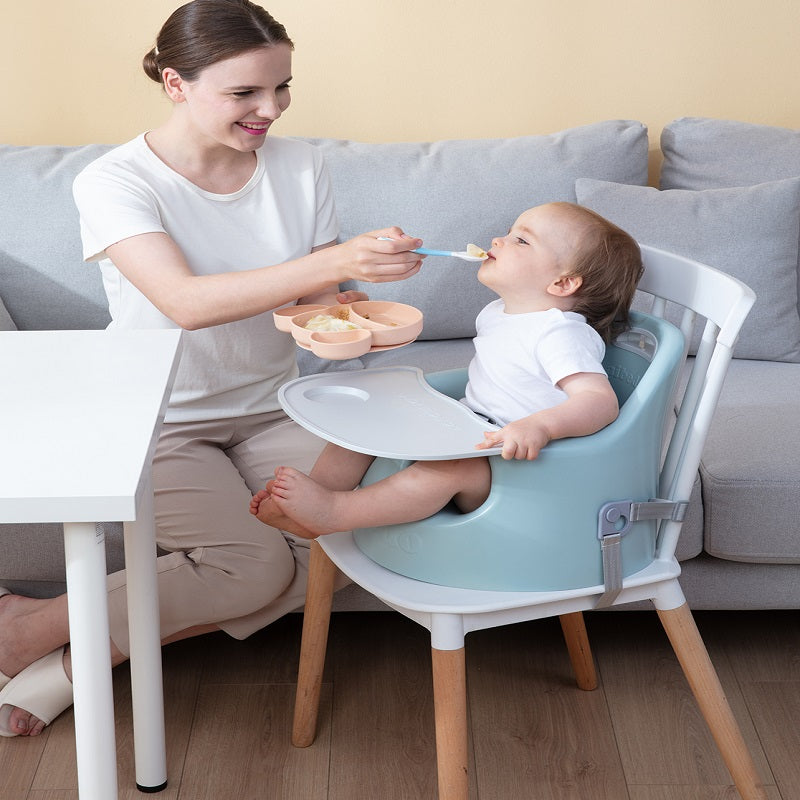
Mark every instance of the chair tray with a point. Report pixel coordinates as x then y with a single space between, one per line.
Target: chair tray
390 412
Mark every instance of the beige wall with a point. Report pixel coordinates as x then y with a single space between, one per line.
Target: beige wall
382 70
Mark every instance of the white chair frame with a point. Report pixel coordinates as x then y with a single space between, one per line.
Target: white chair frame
707 299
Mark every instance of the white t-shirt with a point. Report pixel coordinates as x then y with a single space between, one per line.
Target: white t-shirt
519 359
284 210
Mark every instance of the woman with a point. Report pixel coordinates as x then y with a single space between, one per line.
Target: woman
207 224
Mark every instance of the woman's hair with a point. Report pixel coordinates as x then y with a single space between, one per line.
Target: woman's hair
203 32
610 264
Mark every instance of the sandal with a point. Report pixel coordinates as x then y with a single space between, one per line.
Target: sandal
4 679
42 689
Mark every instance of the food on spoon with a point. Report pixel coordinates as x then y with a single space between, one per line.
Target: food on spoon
476 252
327 322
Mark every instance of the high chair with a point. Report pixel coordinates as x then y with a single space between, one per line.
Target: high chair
591 523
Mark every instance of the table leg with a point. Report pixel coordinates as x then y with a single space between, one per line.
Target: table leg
85 551
147 688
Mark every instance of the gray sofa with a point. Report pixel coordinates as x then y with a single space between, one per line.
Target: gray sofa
729 195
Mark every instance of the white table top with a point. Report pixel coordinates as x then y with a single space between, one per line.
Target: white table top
78 418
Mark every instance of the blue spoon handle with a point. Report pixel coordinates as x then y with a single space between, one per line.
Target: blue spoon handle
425 251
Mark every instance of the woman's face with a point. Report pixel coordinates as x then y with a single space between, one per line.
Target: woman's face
234 102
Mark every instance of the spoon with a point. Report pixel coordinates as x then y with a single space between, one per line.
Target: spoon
465 255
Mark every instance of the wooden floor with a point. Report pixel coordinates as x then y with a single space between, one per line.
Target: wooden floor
534 735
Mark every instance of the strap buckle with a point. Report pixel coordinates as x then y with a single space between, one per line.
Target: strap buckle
614 521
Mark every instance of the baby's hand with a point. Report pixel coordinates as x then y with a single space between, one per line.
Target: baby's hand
522 439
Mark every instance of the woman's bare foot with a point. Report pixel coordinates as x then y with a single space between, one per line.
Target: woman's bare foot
26 724
29 629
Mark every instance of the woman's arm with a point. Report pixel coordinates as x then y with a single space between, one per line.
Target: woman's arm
590 405
155 265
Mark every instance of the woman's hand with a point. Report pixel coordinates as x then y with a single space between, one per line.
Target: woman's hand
383 255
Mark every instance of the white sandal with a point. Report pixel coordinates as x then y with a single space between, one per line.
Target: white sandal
43 689
4 679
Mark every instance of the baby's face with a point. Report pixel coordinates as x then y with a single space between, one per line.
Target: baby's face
532 255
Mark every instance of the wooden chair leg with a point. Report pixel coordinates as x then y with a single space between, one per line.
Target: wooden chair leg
580 653
316 620
702 677
450 709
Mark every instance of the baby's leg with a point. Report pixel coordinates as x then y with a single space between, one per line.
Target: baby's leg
340 469
413 493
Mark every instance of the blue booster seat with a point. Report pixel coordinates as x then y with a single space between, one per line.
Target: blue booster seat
540 528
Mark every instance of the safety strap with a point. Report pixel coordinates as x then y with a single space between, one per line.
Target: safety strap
614 521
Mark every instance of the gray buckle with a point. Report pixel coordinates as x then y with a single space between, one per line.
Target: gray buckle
614 521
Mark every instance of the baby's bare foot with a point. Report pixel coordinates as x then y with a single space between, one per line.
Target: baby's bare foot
270 514
306 502
259 497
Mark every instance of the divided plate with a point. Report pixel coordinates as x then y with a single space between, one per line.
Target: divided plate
381 324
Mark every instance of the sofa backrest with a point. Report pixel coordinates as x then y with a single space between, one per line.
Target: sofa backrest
452 193
449 193
44 282
730 198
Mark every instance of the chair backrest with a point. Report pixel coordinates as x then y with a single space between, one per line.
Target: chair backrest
710 304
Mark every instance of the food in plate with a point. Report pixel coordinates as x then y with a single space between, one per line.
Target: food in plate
327 322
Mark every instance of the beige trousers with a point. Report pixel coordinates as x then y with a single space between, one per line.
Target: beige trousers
223 565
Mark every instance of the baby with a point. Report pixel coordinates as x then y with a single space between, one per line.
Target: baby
565 278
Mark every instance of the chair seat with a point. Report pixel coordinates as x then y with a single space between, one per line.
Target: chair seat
483 608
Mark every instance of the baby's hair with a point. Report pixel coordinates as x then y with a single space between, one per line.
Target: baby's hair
609 263
203 32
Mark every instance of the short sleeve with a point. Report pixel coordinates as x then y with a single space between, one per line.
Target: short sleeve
568 348
111 209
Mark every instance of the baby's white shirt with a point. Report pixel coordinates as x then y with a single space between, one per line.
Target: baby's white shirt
519 359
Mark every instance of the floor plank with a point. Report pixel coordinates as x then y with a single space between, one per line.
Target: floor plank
533 733
382 726
531 723
661 735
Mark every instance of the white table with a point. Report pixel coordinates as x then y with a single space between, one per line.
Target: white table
79 417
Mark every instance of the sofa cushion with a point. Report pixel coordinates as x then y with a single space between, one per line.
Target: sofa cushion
750 469
32 560
750 232
452 193
6 323
703 153
46 285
